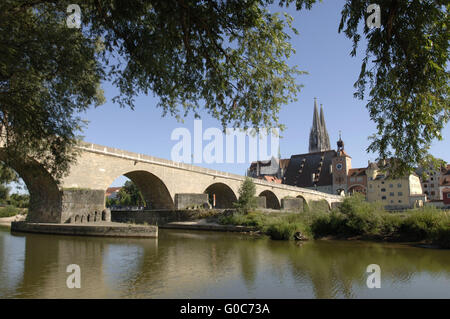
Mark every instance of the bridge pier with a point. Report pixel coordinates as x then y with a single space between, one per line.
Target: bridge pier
187 200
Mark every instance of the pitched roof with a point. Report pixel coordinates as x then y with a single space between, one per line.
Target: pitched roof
302 166
111 190
357 172
445 181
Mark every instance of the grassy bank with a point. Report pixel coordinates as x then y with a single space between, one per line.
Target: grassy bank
9 211
355 218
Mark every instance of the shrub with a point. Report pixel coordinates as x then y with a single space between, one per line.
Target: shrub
284 230
247 199
423 223
9 211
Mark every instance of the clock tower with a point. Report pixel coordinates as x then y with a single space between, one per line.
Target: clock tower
341 164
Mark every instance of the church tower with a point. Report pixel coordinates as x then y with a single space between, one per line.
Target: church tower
319 140
341 164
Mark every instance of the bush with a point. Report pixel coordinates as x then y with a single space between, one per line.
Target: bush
283 230
247 199
9 211
423 224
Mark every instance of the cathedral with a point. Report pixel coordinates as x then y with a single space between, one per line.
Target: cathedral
322 168
330 171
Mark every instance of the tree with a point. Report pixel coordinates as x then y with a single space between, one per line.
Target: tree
247 199
226 57
7 176
404 73
130 195
229 58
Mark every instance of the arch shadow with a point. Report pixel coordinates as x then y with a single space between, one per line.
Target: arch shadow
271 199
225 196
45 196
153 189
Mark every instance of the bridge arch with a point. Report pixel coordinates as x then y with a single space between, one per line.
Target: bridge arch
45 196
153 189
225 196
271 199
305 202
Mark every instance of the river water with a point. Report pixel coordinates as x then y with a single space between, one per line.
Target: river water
189 264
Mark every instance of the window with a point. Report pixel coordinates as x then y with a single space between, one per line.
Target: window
360 179
383 197
370 186
425 185
391 194
432 185
392 201
383 189
432 193
391 185
382 182
400 193
399 185
399 200
432 179
448 195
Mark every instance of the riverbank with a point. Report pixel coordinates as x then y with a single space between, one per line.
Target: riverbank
6 221
354 219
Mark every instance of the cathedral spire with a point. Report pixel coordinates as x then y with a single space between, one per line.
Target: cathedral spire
318 138
326 139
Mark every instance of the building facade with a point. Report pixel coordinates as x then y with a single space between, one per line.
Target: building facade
395 193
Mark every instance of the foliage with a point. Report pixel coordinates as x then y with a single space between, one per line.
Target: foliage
280 226
405 73
19 200
247 199
129 195
228 58
48 73
354 218
9 211
7 175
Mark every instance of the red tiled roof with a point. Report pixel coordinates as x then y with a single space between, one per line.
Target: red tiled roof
272 179
445 181
111 190
357 171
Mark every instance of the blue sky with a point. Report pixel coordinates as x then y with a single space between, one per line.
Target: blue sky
320 51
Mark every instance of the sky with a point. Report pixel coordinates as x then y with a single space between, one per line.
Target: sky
320 50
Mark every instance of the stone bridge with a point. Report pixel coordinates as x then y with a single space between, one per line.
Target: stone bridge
80 196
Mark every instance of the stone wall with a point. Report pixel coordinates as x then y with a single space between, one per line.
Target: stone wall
84 206
186 200
260 202
292 204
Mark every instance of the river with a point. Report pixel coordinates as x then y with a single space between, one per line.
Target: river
190 264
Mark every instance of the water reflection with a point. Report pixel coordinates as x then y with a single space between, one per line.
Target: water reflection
215 265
